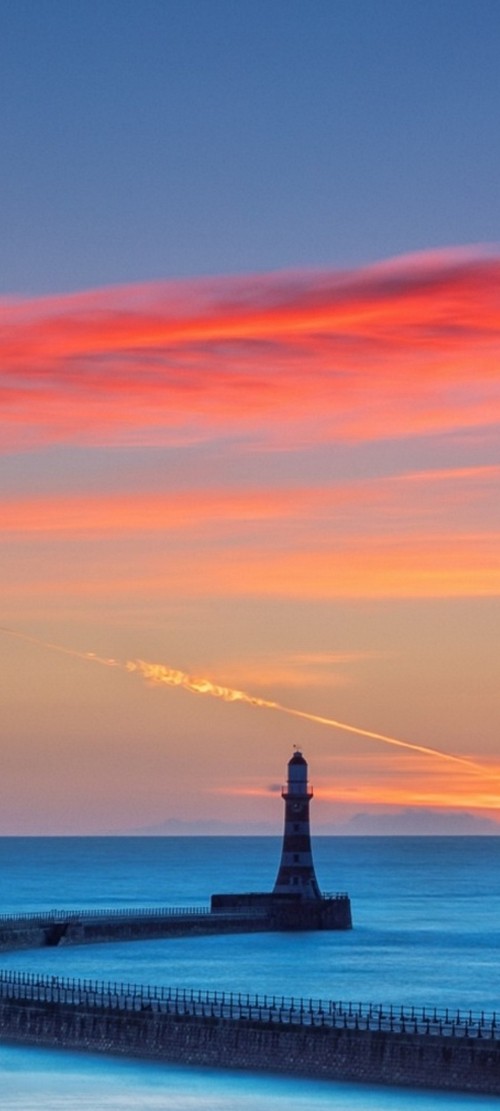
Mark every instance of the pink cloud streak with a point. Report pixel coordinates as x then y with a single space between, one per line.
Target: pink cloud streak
407 347
411 498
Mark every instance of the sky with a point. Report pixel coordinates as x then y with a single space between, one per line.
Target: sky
250 409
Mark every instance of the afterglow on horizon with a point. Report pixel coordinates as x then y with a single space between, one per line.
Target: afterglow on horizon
249 359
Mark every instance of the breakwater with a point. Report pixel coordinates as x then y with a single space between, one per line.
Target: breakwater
419 1047
33 930
55 928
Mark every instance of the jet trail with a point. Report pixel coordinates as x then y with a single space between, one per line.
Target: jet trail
161 675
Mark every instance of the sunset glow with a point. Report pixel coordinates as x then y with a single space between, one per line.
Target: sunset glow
305 504
249 415
157 674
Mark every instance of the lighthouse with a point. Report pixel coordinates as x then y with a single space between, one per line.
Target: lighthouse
296 902
296 875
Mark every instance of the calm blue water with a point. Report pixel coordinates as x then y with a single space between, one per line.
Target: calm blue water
427 930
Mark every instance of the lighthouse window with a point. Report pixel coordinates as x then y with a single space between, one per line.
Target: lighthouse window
296 858
296 827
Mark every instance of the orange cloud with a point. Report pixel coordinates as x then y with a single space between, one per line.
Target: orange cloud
407 347
286 669
426 534
416 566
397 779
479 797
406 779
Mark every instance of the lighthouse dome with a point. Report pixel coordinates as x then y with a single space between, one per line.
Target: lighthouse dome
297 758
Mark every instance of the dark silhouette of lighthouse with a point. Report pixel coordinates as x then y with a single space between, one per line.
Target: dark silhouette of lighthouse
296 875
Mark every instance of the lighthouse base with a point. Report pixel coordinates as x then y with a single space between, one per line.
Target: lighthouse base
289 912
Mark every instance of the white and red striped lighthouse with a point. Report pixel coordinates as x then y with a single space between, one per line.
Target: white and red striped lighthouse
296 875
296 902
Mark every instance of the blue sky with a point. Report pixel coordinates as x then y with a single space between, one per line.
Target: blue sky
179 138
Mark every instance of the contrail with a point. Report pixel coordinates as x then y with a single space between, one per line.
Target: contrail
160 675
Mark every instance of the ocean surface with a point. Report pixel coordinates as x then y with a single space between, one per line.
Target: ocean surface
426 930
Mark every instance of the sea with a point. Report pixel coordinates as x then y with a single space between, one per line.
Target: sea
426 914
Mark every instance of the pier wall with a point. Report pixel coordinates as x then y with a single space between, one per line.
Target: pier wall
228 914
88 928
252 1033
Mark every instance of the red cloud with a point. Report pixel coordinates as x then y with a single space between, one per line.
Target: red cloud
406 347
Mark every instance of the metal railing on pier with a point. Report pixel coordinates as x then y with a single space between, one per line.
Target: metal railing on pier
248 1007
46 917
